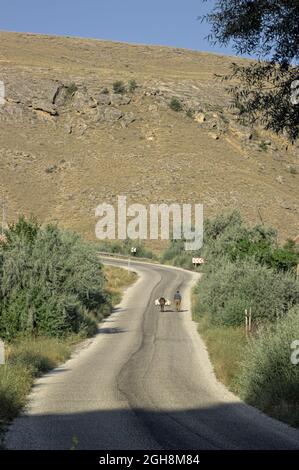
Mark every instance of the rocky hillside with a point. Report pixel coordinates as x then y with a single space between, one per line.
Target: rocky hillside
71 138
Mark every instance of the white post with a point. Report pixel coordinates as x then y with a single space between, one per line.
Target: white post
3 216
2 352
3 222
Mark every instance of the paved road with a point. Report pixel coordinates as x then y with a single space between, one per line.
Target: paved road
144 382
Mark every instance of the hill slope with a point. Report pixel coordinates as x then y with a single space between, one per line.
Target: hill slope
68 142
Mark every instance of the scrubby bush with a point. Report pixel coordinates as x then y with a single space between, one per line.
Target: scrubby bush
269 379
176 254
285 258
175 105
190 113
119 87
124 248
245 268
228 235
51 282
226 290
132 86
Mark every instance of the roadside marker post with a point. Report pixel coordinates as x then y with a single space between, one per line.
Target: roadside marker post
133 250
197 261
248 321
2 352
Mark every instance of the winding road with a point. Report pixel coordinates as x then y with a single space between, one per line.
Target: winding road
144 382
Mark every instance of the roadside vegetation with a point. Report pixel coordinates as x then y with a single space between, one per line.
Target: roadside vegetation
118 279
269 379
26 359
54 291
176 255
51 283
125 247
228 237
245 269
226 346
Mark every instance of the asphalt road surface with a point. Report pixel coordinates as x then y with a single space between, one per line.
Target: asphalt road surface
144 382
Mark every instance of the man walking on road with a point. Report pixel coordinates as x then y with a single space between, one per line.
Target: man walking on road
177 300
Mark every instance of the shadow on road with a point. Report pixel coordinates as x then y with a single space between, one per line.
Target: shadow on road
111 331
174 311
227 426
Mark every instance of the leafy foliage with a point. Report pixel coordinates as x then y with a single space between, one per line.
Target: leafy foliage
269 29
269 380
124 248
227 289
263 26
265 96
51 282
175 254
227 235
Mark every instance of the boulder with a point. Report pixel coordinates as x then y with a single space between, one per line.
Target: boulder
104 99
199 117
51 169
244 133
27 89
194 105
82 101
112 114
45 106
81 128
127 119
214 135
279 179
61 96
287 205
68 127
118 99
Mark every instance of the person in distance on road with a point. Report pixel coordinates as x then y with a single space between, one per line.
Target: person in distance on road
177 300
162 302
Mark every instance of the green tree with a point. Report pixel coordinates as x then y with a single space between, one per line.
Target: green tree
51 282
227 289
268 29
